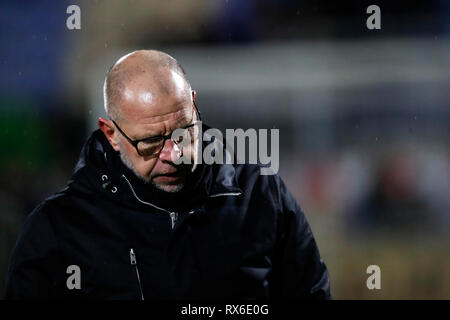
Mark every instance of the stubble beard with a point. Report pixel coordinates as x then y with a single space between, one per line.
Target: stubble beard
147 179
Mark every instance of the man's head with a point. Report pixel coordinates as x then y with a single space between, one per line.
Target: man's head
147 94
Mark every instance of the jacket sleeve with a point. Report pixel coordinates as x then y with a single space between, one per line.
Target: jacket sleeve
30 273
299 271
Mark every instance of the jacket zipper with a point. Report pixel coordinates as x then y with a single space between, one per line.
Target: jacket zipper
173 218
173 215
225 194
134 264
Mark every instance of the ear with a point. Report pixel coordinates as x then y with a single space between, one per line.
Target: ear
194 94
109 130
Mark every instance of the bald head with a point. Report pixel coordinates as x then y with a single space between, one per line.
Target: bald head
144 75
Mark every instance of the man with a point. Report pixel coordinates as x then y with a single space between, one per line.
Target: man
134 223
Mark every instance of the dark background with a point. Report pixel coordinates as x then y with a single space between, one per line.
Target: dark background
363 114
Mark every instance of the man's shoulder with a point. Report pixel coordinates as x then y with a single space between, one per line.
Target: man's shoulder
256 172
251 176
51 205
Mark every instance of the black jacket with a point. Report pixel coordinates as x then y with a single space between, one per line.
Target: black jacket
231 233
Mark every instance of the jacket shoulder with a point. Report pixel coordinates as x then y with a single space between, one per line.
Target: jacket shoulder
268 186
49 205
38 230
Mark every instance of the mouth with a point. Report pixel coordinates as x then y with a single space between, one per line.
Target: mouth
170 177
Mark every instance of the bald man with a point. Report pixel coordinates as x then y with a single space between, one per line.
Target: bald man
135 222
148 94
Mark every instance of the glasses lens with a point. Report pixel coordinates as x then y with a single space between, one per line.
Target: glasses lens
150 148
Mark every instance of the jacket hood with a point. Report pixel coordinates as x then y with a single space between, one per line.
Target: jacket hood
100 170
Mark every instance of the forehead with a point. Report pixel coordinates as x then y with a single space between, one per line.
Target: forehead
147 114
155 94
149 108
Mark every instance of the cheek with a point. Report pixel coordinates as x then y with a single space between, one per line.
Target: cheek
127 150
157 166
145 167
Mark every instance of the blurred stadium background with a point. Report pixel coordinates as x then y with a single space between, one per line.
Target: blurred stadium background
363 115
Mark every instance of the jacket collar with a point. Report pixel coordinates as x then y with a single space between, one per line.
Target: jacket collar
99 169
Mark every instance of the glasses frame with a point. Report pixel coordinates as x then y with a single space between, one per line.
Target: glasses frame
135 143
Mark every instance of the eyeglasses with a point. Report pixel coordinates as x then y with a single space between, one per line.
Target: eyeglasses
151 146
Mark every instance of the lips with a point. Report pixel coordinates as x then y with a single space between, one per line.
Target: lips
169 174
169 177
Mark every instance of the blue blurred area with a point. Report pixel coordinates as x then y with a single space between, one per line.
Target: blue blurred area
33 47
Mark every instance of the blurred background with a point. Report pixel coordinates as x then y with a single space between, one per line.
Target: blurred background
363 115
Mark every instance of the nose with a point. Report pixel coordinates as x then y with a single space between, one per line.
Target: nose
171 152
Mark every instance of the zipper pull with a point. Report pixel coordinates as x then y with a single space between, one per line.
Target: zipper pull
134 264
173 218
132 257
